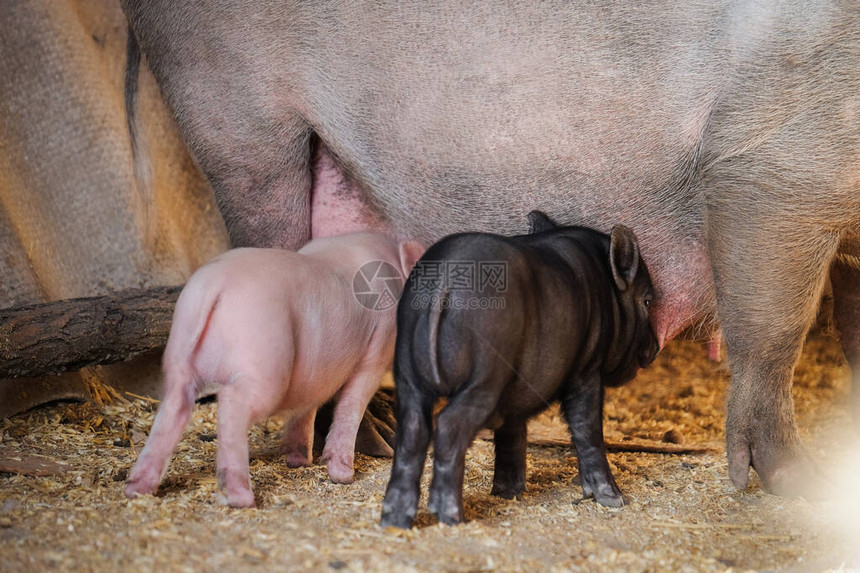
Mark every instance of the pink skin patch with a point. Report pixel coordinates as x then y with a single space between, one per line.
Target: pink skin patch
338 205
715 346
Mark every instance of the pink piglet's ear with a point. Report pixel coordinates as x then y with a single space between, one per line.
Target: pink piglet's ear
410 252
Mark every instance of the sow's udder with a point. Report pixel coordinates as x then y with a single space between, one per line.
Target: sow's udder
338 205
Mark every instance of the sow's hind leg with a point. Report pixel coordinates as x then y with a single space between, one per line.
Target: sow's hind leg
769 275
261 177
845 277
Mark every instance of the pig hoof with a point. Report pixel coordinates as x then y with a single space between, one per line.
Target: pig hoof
507 491
340 467
606 495
785 471
394 519
136 488
338 473
609 500
236 487
797 478
399 506
143 479
448 513
297 459
243 502
739 465
238 499
450 518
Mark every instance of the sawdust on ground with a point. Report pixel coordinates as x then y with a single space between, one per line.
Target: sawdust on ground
682 513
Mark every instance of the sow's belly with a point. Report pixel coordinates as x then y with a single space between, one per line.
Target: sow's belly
430 209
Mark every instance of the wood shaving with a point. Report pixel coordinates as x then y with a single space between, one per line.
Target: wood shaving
682 512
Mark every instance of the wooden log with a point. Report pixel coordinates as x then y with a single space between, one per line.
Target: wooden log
67 335
544 438
634 445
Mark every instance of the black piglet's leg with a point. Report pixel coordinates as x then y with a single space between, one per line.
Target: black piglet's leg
509 478
456 427
414 422
583 408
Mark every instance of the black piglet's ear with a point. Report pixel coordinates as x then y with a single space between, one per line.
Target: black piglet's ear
623 256
538 221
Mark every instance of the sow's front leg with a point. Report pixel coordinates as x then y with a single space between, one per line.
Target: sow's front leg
845 278
769 277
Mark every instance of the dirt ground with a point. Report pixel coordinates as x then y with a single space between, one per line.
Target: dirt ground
682 513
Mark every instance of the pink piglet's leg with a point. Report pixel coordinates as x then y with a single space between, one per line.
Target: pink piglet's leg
298 441
339 451
235 414
172 417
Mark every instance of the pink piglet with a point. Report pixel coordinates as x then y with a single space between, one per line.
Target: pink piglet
280 331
